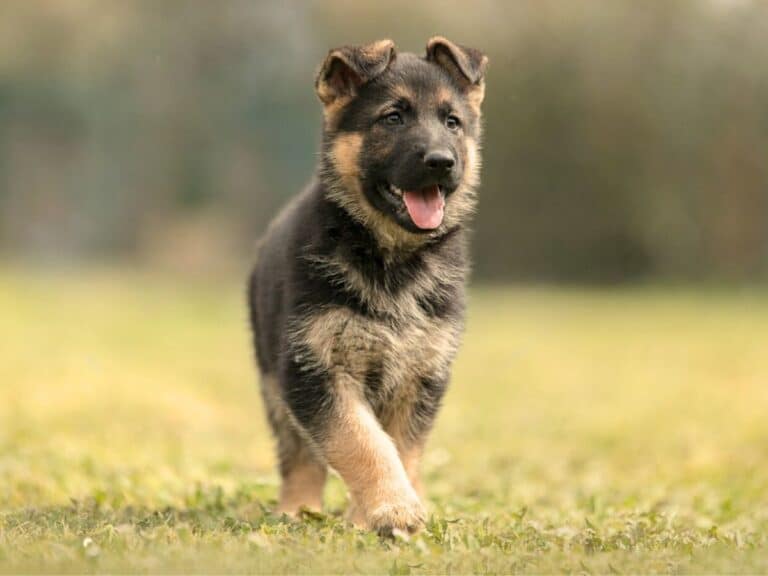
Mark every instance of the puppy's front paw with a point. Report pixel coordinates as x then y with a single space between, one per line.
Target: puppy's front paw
405 515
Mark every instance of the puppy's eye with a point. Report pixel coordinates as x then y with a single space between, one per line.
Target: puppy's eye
452 122
393 118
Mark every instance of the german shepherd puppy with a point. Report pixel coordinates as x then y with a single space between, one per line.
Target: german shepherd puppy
357 297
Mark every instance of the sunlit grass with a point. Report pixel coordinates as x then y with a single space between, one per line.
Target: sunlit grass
586 431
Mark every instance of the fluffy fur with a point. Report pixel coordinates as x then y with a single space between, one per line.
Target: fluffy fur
356 312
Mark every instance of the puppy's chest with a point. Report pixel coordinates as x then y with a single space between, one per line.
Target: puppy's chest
388 357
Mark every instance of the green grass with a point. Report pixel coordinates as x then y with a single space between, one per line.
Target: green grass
585 431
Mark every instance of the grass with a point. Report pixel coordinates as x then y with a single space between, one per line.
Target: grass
612 431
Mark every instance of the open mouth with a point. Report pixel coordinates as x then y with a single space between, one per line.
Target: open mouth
425 206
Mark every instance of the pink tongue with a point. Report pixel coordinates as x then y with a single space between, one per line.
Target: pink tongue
425 207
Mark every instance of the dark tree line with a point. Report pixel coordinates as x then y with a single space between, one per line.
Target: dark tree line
623 139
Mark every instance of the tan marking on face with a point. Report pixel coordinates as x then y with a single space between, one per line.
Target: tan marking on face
402 91
461 206
345 154
443 95
347 191
474 163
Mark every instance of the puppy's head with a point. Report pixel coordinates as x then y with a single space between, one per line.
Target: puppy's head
401 137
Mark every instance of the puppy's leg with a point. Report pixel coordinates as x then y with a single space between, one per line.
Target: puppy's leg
350 438
365 456
302 474
409 447
410 427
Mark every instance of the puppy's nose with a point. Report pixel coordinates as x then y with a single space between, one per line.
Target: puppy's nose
439 160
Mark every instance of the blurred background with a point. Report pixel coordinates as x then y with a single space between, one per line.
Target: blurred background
624 140
611 391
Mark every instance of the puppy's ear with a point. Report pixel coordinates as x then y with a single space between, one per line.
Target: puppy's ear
465 65
347 68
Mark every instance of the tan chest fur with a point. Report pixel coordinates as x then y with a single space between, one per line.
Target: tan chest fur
403 350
